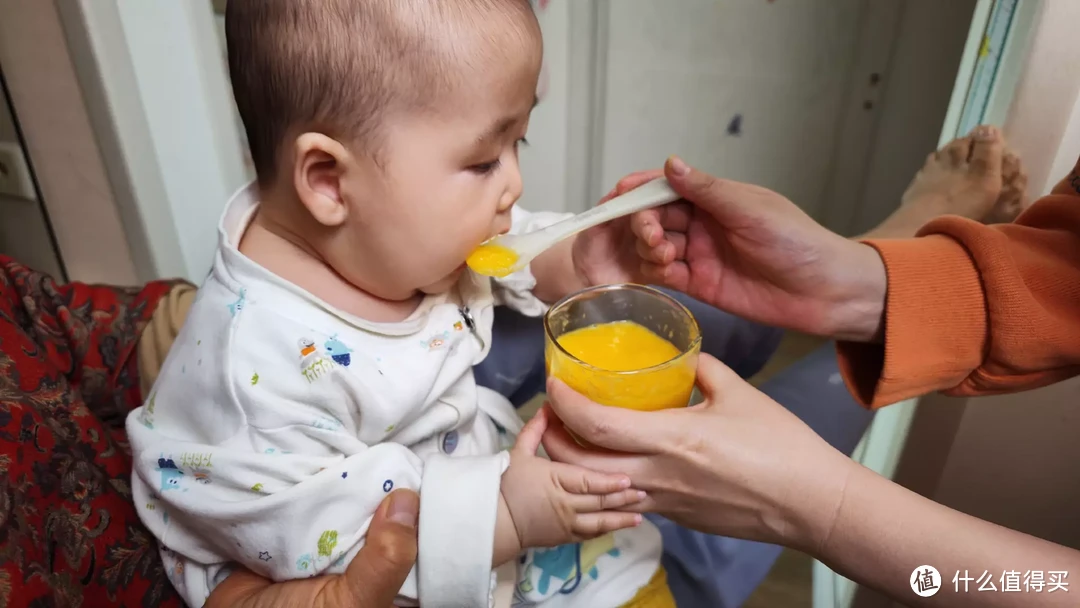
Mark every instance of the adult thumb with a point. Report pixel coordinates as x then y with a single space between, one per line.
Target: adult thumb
706 191
376 574
713 377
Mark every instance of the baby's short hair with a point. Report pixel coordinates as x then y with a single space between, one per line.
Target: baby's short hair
337 66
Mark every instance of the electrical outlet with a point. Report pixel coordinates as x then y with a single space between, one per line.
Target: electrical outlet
15 173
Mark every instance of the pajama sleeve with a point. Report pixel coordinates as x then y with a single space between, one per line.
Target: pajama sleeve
515 290
976 309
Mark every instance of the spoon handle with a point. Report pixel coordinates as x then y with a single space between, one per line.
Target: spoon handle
652 194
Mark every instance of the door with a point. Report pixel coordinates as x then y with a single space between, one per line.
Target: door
752 91
832 103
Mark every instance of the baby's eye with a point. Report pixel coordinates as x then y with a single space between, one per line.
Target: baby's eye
485 168
490 167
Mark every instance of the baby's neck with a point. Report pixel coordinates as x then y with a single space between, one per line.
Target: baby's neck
286 253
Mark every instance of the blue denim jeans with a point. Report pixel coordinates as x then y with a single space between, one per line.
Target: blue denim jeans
703 570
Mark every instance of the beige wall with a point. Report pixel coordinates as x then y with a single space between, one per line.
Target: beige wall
61 144
1011 459
1013 462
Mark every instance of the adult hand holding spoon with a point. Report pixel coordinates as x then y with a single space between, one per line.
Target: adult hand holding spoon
509 253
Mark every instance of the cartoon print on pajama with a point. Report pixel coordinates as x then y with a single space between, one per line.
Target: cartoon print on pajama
338 351
313 365
566 563
238 305
171 475
324 552
436 341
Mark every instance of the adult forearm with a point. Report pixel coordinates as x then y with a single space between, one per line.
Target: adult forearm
883 532
858 289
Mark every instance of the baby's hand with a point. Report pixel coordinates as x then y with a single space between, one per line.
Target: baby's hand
552 503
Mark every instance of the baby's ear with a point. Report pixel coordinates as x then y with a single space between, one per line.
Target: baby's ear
320 163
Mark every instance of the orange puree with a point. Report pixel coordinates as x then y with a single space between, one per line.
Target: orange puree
621 346
628 366
492 260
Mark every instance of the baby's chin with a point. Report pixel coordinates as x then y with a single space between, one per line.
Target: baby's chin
444 284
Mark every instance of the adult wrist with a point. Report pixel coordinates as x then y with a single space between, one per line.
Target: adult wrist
859 315
812 517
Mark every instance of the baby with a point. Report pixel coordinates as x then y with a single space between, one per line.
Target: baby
328 357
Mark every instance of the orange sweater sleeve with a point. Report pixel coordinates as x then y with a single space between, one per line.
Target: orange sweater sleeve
977 310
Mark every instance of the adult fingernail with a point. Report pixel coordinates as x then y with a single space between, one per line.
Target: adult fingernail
404 508
678 167
641 495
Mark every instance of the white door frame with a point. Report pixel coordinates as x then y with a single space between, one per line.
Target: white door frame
61 145
157 93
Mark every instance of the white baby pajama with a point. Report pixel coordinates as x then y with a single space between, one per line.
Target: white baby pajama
279 424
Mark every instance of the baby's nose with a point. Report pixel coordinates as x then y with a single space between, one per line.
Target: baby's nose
513 190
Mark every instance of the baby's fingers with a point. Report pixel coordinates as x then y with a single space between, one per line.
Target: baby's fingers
578 480
591 525
590 503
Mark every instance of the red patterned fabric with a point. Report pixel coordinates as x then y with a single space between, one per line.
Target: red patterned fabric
69 535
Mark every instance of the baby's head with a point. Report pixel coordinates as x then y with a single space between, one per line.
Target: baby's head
385 132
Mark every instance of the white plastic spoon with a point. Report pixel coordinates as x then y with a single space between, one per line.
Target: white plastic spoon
509 253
